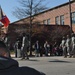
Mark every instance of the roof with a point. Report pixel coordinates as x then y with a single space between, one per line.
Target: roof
48 10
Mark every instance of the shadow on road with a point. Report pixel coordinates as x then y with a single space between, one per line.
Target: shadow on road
28 60
33 60
60 61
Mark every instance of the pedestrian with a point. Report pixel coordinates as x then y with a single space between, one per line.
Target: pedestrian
60 52
7 42
51 49
41 50
17 48
37 48
73 44
55 48
46 47
64 48
25 45
68 45
9 66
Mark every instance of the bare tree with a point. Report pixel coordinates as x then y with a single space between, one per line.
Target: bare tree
29 8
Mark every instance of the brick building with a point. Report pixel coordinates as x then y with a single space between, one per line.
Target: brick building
58 15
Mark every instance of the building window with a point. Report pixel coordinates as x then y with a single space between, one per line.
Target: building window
62 19
57 20
44 22
48 21
73 18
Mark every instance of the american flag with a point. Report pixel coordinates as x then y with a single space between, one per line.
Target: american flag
3 18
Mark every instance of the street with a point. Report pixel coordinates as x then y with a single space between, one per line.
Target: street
56 65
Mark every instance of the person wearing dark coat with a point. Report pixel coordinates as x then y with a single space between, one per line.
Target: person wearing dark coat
37 48
17 48
9 66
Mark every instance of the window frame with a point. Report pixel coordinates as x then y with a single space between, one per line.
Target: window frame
48 21
62 20
57 21
44 22
73 17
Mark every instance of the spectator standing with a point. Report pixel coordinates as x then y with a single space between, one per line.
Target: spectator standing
54 50
64 48
37 48
68 45
17 48
46 47
25 45
7 41
73 44
60 52
51 49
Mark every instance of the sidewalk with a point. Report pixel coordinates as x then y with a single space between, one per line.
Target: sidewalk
46 57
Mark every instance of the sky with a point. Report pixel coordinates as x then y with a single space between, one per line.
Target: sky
9 5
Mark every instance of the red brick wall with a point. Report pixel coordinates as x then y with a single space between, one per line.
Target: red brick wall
64 10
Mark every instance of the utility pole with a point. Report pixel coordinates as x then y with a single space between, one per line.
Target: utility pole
31 26
70 16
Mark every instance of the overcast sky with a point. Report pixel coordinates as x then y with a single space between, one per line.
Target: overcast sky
9 5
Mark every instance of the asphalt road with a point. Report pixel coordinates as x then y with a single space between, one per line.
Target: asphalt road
56 65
